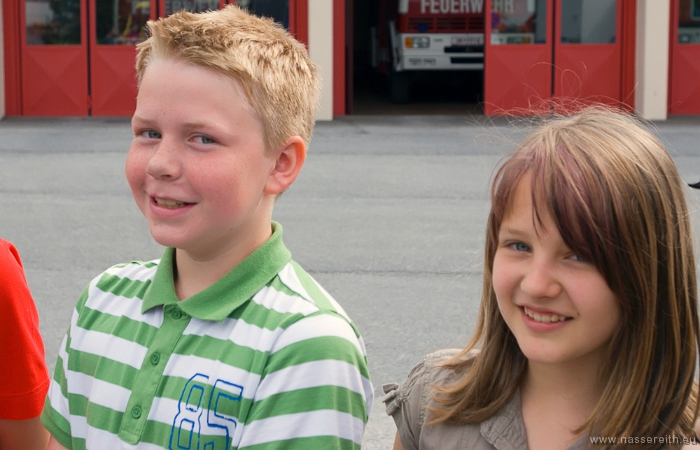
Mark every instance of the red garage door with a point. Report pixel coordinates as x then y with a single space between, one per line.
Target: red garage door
54 55
553 54
76 57
684 73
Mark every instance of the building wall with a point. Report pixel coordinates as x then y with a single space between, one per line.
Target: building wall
651 71
321 51
653 23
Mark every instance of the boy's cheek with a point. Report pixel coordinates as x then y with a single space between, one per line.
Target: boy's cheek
134 171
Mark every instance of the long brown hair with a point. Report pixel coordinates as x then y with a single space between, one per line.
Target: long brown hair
618 201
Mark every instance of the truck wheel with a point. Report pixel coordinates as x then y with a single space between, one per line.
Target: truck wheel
398 88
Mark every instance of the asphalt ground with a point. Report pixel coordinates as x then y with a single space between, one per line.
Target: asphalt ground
388 214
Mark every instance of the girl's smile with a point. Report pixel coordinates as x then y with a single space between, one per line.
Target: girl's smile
543 321
543 316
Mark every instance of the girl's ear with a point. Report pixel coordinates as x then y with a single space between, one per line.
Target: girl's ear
288 161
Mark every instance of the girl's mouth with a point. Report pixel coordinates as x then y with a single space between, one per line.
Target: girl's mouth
544 318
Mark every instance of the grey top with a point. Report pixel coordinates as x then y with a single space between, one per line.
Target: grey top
406 404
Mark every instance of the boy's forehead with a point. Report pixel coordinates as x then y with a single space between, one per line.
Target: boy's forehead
171 81
201 71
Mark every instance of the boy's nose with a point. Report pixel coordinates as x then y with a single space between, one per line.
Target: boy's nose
164 162
540 280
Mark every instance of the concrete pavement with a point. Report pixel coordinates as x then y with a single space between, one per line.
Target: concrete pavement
388 214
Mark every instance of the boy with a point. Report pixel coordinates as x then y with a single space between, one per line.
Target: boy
225 342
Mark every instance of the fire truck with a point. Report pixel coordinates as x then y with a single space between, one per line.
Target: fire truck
414 37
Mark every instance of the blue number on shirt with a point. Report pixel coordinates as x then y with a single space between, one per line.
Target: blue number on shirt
222 395
187 425
186 430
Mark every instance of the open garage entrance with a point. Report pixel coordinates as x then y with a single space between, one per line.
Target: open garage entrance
444 88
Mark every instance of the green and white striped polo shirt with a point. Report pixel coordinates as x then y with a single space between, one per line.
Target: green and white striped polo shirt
262 359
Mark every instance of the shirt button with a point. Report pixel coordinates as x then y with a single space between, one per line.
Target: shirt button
136 412
176 314
155 358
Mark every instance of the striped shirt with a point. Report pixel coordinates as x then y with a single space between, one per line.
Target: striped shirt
264 358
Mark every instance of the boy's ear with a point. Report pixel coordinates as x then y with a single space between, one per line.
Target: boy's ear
289 159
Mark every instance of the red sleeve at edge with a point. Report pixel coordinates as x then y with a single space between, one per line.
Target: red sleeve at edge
23 378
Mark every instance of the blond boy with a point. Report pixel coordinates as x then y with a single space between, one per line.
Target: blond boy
224 342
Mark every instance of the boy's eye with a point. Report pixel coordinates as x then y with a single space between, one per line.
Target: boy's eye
151 134
203 139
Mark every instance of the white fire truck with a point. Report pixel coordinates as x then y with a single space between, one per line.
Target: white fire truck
416 36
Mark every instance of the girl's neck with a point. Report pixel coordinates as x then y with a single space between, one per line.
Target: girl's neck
556 400
577 380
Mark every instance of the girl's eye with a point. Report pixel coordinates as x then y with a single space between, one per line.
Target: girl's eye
578 258
151 134
520 247
203 139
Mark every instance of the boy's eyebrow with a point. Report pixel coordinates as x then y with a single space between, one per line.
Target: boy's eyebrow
137 118
201 125
196 124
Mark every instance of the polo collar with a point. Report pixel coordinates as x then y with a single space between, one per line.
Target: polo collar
219 300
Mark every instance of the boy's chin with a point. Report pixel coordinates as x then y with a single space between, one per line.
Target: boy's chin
165 239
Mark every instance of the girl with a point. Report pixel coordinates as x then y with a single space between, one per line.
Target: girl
588 325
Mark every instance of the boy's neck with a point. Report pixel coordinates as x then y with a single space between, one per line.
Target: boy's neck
194 273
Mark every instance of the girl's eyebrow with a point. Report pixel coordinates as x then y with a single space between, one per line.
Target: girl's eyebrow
511 229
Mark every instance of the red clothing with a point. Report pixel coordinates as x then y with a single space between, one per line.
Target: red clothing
24 379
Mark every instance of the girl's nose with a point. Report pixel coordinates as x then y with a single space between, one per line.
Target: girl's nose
540 280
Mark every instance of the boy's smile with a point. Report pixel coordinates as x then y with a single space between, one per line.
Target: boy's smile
169 203
197 165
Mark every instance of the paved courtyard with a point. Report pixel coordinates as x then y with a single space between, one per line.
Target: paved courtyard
388 214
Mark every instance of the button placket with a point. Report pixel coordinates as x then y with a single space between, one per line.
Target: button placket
146 383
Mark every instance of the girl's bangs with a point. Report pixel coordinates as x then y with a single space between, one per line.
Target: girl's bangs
565 186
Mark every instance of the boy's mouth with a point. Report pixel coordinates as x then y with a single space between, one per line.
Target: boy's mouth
169 203
546 318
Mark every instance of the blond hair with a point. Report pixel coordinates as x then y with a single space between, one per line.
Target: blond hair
618 202
280 82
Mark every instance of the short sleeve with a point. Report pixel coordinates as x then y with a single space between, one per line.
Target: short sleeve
404 403
24 379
